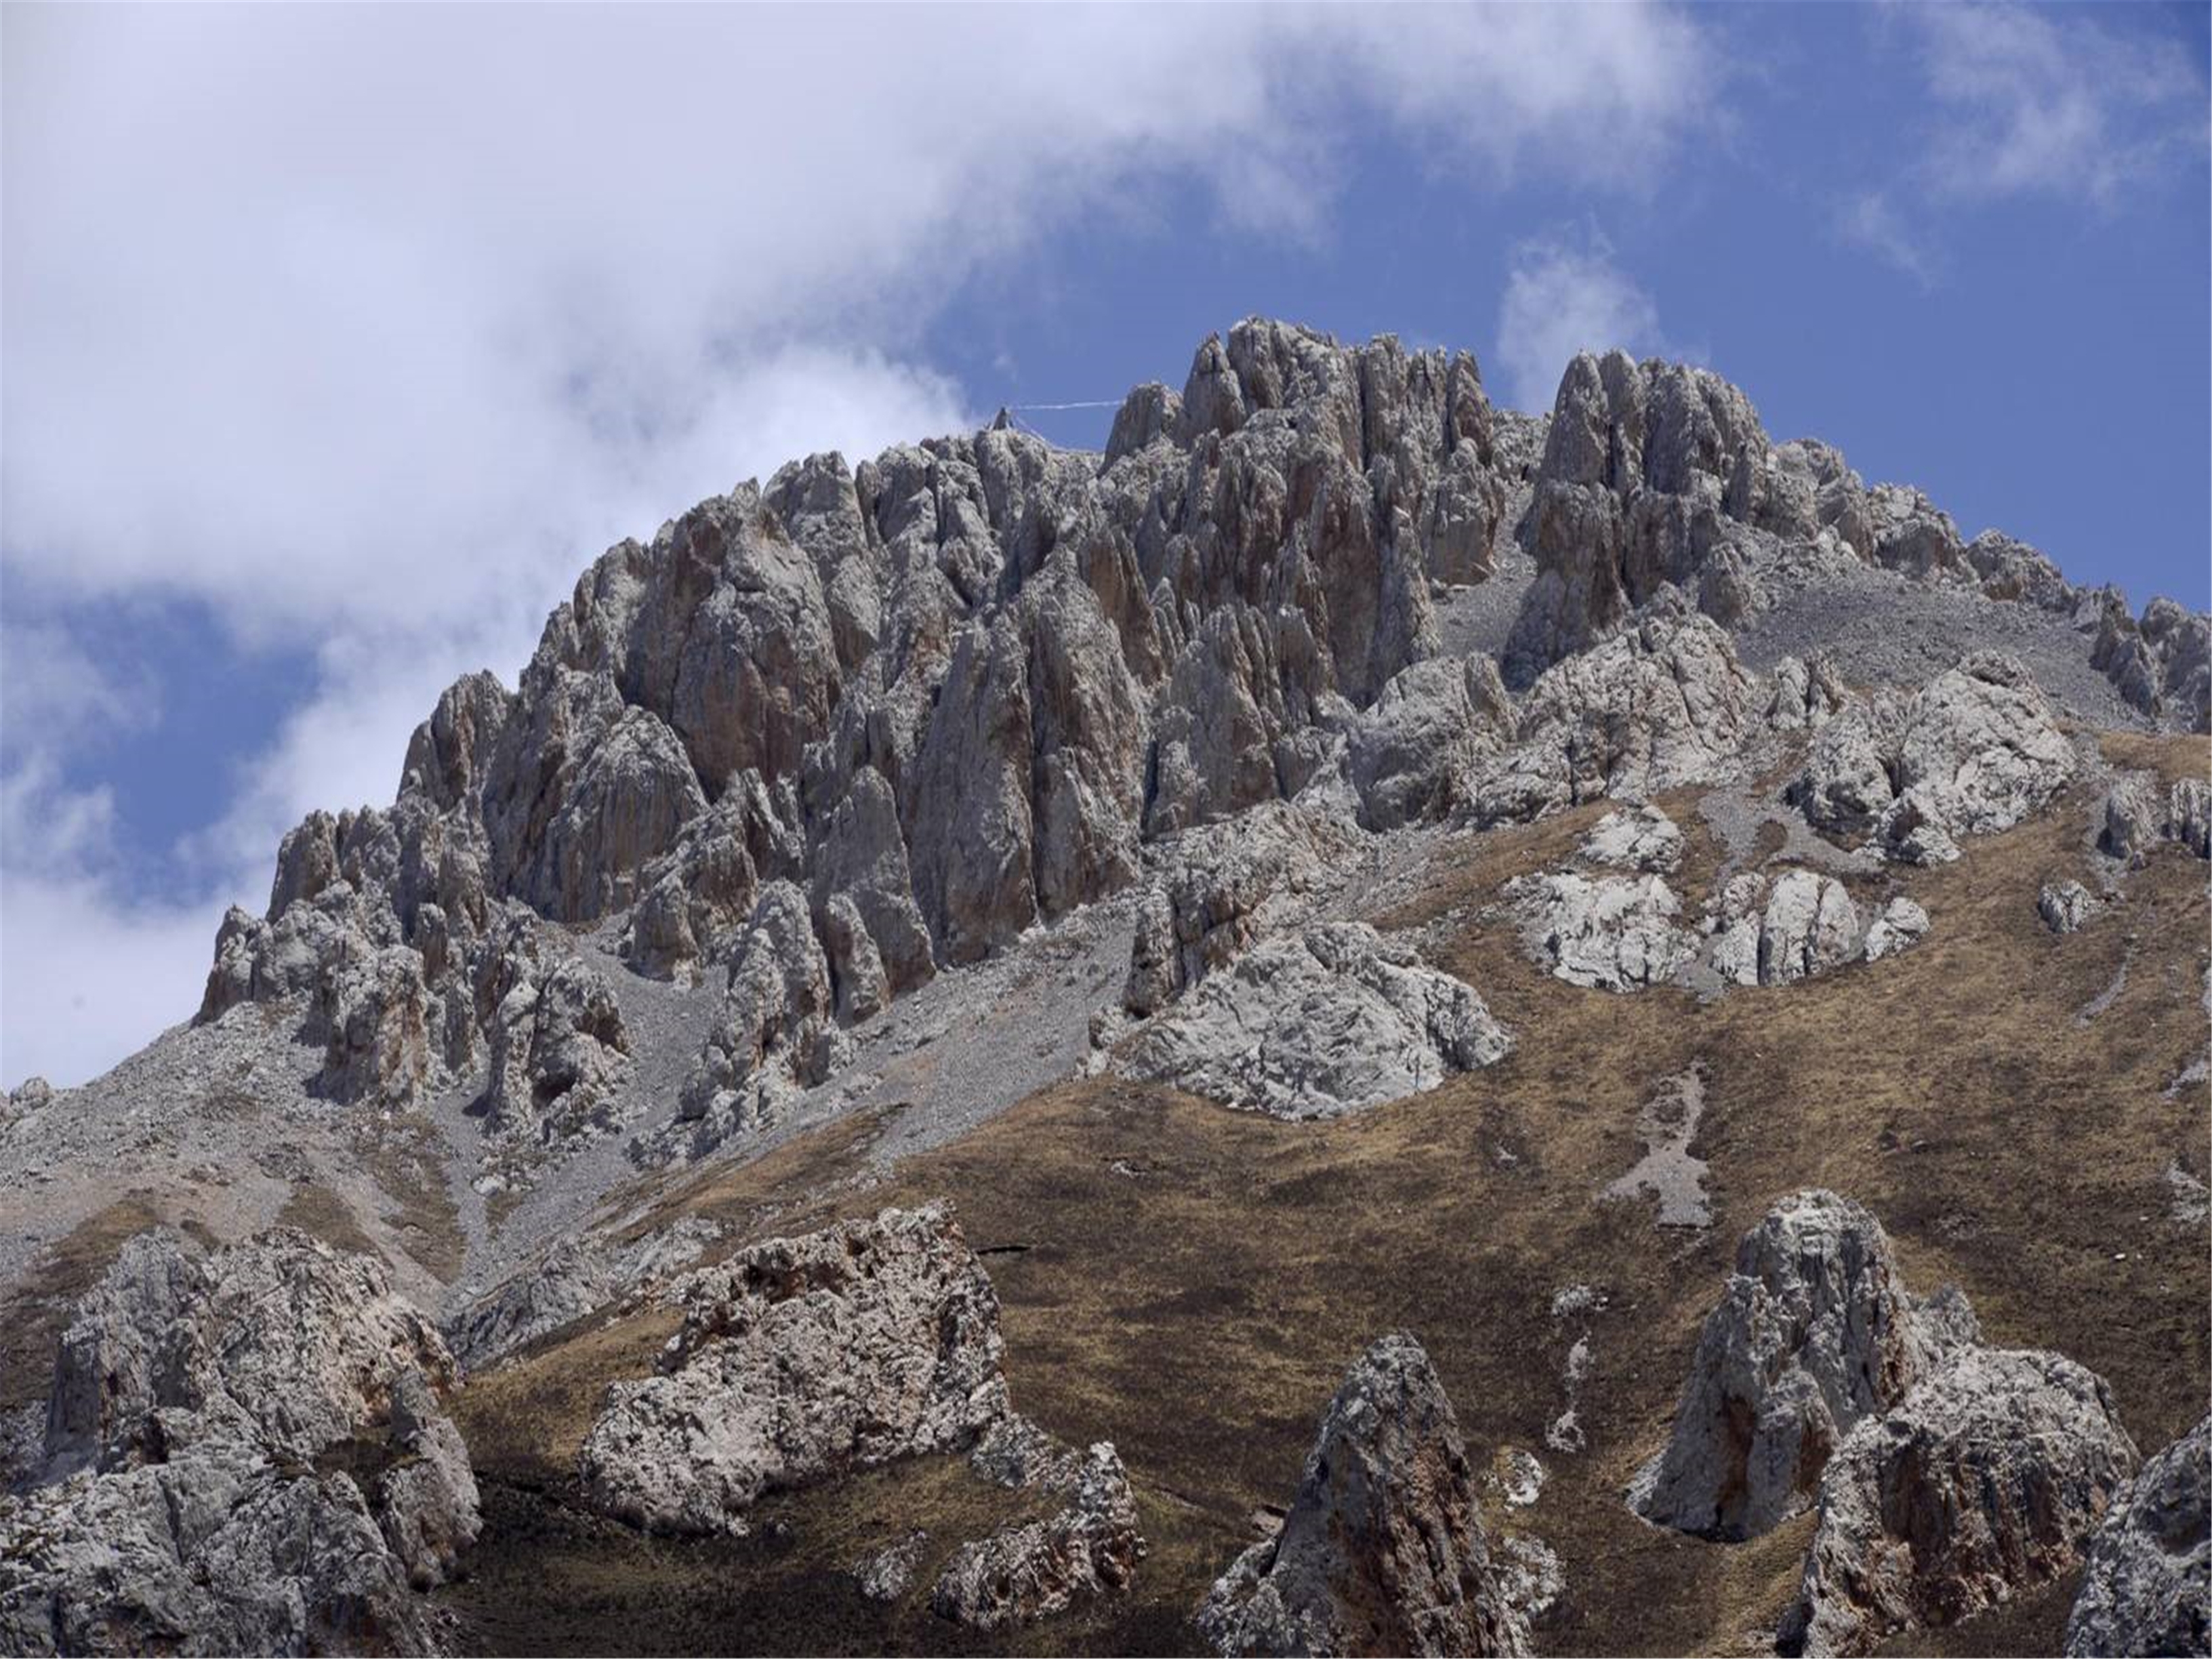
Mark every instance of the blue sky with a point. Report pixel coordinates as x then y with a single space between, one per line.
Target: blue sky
339 341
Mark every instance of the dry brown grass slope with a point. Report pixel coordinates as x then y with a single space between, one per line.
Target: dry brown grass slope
1199 1311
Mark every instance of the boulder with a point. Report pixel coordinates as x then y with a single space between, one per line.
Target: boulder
1814 1333
2064 906
2147 1586
1988 1479
1382 1550
1034 1569
1973 752
798 1359
1612 933
1639 837
1315 1024
244 1453
1898 926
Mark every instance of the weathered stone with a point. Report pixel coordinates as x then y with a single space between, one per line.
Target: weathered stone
1612 933
1382 1550
1898 926
1814 1333
559 1051
2148 1586
1972 752
2064 906
1640 837
798 1359
1323 1023
884 1575
1032 1570
777 1032
1219 888
193 1403
1410 750
1986 1479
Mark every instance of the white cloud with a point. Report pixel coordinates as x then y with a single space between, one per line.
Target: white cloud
1870 221
1565 294
365 328
2043 103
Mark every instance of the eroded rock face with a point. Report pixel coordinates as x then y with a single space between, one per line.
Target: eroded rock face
245 1453
2064 906
778 1032
1987 1480
1219 888
1639 837
1029 1571
2137 816
1814 1333
559 1051
1971 753
1315 1024
799 1359
1382 1551
1659 705
2147 1586
1612 933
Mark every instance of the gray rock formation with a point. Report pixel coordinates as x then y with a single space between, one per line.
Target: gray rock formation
1612 933
1972 752
2064 906
558 1051
244 1453
1815 1333
1328 1021
884 1575
777 1032
798 1359
2137 816
1218 889
1898 926
1034 1569
1382 1550
1987 1480
1640 837
1662 704
1802 924
2147 1586
575 1276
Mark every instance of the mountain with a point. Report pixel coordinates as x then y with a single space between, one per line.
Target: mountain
1001 950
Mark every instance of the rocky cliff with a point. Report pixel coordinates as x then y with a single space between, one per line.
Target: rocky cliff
1466 802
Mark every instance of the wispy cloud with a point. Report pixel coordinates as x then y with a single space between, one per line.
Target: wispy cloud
1565 294
1870 221
2038 102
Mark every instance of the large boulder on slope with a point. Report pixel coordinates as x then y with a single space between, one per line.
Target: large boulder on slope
1382 1550
1814 1333
244 1453
1987 1480
1316 1025
798 1360
2147 1586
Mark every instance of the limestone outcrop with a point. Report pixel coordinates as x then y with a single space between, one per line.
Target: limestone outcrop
1034 1569
1986 1481
1972 752
1814 1333
2147 1586
1382 1550
1317 1024
245 1452
799 1359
